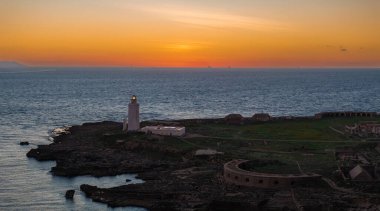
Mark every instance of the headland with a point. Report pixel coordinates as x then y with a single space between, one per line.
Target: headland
310 163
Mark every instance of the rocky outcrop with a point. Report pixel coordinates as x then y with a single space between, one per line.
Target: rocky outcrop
69 194
92 149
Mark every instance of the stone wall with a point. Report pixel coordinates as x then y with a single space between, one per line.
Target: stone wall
233 174
345 114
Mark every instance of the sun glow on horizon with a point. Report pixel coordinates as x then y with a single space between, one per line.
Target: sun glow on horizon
191 33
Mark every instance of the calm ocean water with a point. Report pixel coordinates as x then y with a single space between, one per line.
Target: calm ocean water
34 101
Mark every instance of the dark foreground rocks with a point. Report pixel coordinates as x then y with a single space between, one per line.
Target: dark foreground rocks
69 194
174 178
92 149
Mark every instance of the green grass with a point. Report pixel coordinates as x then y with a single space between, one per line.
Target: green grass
306 129
310 143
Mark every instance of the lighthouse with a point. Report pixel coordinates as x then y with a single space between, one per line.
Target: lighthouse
133 122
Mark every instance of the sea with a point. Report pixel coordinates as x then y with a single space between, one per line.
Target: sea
33 101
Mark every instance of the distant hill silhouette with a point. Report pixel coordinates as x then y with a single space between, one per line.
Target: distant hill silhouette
10 65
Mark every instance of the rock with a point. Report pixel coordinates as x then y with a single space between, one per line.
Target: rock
23 143
88 189
69 194
128 180
230 205
44 153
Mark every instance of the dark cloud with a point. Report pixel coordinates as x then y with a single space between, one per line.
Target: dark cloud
340 48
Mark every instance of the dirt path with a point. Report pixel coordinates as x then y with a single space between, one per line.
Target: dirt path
336 130
335 187
299 167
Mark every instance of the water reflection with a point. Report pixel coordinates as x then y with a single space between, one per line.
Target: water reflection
62 184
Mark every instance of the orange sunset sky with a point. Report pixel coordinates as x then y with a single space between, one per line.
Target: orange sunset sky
191 33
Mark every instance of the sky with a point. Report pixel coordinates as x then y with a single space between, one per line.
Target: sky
191 33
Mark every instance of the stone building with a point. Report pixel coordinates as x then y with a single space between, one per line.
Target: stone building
262 117
234 119
234 174
164 130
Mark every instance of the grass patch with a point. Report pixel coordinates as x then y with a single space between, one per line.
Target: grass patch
302 129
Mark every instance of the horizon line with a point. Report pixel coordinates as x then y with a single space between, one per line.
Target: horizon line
190 67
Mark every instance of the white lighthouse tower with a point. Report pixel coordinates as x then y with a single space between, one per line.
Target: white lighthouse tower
133 116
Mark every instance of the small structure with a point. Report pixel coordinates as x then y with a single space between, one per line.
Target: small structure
164 130
234 174
344 114
234 119
207 153
262 117
132 124
364 129
359 173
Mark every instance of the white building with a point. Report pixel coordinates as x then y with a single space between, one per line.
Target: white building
133 121
164 130
207 152
359 173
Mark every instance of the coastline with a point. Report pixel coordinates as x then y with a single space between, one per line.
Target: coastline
174 178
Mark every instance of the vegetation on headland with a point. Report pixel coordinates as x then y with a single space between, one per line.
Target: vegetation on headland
176 179
300 144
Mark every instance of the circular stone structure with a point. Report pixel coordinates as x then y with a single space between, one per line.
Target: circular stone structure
234 174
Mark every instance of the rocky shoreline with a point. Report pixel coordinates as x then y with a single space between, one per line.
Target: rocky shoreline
174 178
